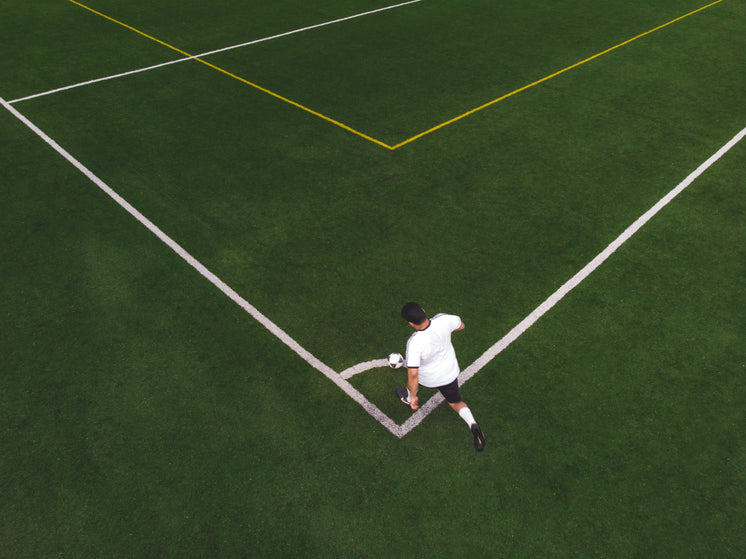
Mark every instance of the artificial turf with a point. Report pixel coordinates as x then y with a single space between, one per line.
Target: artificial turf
144 414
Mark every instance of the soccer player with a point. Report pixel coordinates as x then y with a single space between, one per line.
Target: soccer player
431 361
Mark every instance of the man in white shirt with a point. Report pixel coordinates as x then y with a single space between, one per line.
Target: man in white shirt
431 361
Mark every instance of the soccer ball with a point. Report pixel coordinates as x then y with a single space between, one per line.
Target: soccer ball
396 361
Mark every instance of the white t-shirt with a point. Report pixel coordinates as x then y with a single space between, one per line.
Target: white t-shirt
431 351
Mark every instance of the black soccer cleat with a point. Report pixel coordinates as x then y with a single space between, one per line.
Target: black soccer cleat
479 441
402 394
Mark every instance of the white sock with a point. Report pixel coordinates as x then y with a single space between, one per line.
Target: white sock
466 415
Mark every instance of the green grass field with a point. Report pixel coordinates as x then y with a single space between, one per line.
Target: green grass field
143 413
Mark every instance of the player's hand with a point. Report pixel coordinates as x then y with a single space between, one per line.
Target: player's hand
413 401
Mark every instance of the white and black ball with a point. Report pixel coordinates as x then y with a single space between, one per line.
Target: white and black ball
396 360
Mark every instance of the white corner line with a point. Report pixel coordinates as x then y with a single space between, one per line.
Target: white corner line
211 52
317 364
362 367
417 417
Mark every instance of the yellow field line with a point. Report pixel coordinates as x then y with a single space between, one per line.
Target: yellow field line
234 76
421 134
549 77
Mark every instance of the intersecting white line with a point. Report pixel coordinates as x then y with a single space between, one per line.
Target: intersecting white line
362 367
340 379
568 286
317 364
208 53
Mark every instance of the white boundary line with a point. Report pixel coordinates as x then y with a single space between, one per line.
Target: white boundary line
340 379
348 389
204 54
97 80
572 283
362 367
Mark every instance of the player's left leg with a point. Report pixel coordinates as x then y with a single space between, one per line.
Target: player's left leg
453 397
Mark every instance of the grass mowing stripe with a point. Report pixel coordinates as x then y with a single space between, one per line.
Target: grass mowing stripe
198 57
208 53
131 28
571 284
295 104
549 77
243 80
316 363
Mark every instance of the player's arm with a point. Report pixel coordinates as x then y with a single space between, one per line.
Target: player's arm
460 327
413 382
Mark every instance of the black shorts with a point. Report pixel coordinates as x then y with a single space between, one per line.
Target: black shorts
451 392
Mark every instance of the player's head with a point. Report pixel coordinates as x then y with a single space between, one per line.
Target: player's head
412 312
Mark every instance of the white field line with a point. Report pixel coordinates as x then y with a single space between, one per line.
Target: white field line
208 53
417 417
340 379
97 80
216 281
362 367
